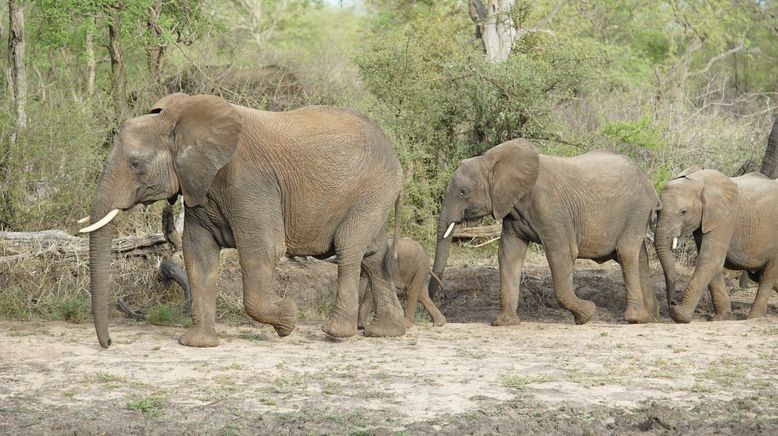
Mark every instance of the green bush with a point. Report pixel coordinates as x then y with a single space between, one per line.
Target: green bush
167 315
70 309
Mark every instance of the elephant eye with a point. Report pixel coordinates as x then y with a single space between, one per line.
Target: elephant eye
135 165
462 192
683 212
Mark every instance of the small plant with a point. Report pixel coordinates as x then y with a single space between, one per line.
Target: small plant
71 309
166 315
149 405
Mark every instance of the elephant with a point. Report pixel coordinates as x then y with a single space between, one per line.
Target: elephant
412 275
770 169
316 181
594 206
730 219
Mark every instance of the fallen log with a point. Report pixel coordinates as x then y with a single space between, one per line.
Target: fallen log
16 246
487 232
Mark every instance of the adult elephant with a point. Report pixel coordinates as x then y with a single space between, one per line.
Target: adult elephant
769 169
730 219
314 181
594 206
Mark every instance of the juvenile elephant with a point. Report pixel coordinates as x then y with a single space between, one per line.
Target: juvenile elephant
315 181
412 275
594 206
733 220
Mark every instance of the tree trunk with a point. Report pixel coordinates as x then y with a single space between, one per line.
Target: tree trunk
91 64
118 83
155 50
17 78
494 26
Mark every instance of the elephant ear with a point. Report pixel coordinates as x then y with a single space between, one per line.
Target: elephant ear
514 171
205 132
692 169
719 199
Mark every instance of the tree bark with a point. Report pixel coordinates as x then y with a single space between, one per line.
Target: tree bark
494 26
91 63
155 49
118 81
17 83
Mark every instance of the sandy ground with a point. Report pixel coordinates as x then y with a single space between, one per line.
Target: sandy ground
543 376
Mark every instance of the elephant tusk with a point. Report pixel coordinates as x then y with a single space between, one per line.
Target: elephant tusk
106 219
448 230
84 220
675 243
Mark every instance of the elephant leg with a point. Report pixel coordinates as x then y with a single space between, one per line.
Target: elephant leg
561 263
744 280
367 304
342 321
629 258
649 296
201 258
767 282
424 298
258 261
720 297
510 257
712 250
388 320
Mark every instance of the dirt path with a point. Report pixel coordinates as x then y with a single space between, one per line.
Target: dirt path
546 375
461 377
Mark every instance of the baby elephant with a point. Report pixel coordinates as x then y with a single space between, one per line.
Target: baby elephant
733 220
412 275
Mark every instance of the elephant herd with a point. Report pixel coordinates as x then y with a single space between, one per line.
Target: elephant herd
322 181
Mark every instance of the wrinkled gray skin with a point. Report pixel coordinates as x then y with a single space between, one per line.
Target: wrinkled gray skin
315 181
769 169
412 275
594 206
731 219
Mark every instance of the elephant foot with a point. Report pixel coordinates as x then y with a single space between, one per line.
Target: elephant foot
439 321
361 323
386 326
199 337
756 314
585 313
339 326
680 315
282 316
505 319
726 316
638 316
285 318
408 323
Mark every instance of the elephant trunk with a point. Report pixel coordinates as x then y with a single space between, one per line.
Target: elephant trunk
666 258
442 249
770 162
99 269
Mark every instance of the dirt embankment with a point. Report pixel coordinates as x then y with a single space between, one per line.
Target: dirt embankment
546 375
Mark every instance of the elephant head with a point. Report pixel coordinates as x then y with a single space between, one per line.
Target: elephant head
696 199
178 147
484 185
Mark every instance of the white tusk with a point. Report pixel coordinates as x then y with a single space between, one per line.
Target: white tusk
106 219
675 243
83 220
448 231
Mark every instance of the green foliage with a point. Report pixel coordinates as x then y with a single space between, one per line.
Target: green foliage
641 132
70 309
150 405
441 100
168 315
